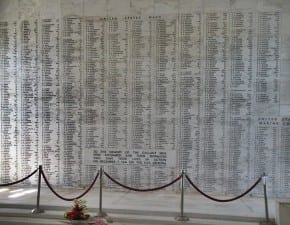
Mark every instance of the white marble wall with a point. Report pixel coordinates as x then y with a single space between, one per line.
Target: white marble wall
147 88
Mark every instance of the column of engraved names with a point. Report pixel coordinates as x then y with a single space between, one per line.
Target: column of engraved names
267 88
165 84
137 37
240 98
8 93
267 136
50 90
190 92
116 94
138 44
93 102
268 62
29 81
284 156
149 163
71 100
214 101
116 87
163 54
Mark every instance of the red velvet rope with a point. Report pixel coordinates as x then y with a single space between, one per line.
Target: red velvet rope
223 200
142 190
69 199
134 189
23 179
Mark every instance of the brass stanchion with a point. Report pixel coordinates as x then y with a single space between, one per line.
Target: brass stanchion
267 219
182 217
38 209
101 213
265 196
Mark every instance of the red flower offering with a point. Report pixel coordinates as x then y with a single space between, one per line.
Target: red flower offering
78 211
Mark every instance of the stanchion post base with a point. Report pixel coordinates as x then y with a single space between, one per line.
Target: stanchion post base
102 214
181 218
267 223
105 216
37 211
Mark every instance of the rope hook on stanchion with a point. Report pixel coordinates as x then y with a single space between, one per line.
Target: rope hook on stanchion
182 217
38 209
101 213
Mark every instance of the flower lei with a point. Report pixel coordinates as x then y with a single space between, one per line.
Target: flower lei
78 211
